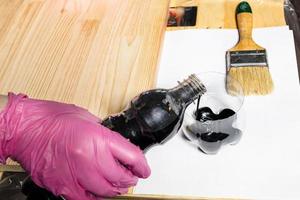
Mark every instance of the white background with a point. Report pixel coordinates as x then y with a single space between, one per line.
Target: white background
266 162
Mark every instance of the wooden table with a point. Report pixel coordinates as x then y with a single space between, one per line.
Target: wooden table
98 54
93 53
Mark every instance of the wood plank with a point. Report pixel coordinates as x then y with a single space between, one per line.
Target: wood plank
166 197
93 53
221 13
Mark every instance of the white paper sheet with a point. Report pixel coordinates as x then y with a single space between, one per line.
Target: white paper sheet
266 162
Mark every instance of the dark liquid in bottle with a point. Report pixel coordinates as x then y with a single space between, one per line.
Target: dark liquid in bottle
149 120
156 115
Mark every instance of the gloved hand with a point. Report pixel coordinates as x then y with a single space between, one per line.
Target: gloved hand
67 151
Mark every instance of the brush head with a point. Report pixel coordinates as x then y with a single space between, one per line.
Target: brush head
255 80
250 69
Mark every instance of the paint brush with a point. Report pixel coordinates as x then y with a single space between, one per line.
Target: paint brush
247 61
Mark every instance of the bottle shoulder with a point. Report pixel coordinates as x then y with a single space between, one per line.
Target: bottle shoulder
155 94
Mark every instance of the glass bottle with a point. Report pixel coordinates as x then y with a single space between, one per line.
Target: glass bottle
155 115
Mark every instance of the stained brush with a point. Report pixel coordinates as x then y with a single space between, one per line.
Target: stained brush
247 61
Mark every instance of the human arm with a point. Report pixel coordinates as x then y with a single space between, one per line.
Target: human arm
66 150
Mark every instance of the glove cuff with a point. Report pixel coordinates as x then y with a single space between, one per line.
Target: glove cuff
11 109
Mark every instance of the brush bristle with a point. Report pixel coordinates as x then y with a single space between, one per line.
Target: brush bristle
255 80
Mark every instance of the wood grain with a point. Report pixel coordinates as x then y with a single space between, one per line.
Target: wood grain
166 197
93 53
221 13
246 42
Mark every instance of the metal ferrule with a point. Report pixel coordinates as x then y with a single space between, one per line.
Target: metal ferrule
246 58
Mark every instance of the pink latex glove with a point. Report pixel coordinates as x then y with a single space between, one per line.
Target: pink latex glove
67 151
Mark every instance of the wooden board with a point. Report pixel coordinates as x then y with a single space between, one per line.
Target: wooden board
221 13
97 54
166 197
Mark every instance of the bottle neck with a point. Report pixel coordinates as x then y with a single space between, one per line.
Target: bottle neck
188 90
